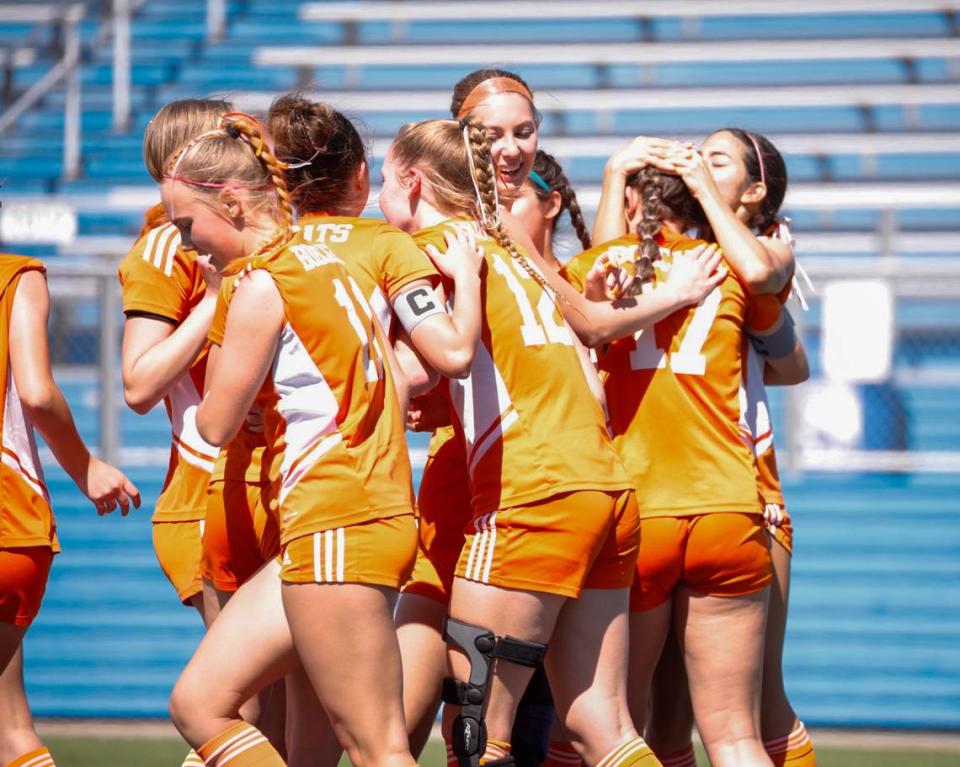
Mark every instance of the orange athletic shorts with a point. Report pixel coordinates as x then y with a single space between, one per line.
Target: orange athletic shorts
444 512
23 580
240 534
718 554
783 532
380 552
179 550
586 539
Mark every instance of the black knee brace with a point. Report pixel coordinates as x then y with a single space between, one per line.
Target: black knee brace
481 646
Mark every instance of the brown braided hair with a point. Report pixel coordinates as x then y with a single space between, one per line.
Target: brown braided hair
665 197
237 155
547 168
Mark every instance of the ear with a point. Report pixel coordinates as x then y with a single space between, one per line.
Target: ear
360 181
633 207
554 204
411 180
754 194
232 206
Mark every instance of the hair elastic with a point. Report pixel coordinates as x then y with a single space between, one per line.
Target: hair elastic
537 179
756 149
304 163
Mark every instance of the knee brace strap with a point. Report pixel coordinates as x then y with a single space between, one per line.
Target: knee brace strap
481 646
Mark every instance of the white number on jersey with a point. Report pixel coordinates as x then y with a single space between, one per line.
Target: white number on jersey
535 332
689 358
373 369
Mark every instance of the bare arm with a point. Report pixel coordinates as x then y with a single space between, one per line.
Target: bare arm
420 377
790 370
598 322
447 342
764 265
611 222
156 354
43 401
249 343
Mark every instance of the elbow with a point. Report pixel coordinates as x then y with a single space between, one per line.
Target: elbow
139 402
39 399
216 434
458 363
762 279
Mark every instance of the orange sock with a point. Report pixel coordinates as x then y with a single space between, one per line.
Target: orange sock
633 753
192 760
793 750
242 745
38 758
561 754
685 757
496 749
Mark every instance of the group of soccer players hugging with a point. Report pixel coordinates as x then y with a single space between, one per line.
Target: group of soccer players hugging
599 546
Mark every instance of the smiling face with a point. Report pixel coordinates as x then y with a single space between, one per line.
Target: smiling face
202 225
512 127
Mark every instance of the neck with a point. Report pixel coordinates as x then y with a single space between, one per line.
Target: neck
544 245
426 215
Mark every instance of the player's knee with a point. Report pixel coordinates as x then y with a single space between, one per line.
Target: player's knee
188 706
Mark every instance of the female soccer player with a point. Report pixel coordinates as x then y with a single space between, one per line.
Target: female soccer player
169 296
31 399
740 180
300 339
704 562
551 521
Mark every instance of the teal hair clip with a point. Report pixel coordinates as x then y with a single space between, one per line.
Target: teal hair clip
537 179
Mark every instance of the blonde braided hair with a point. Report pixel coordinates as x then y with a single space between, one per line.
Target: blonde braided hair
236 156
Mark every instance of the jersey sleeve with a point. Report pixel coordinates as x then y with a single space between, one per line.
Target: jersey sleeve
401 261
157 276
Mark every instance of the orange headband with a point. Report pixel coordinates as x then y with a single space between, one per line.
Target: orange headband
482 91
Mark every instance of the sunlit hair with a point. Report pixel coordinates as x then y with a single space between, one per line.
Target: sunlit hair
763 163
463 89
174 125
457 166
322 151
235 156
665 197
550 172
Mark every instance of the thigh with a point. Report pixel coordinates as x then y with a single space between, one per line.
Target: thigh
23 581
419 622
247 648
354 669
670 725
587 668
722 641
526 615
648 632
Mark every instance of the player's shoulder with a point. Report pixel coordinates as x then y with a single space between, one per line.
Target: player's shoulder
157 250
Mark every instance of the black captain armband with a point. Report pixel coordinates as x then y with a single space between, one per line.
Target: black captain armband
414 306
780 343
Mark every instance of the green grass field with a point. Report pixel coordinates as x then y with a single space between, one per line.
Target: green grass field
76 751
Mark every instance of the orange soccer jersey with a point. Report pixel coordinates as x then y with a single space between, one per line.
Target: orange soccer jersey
159 279
332 419
525 414
25 516
673 397
381 258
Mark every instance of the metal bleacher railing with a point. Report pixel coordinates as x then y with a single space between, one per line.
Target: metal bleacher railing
65 70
